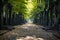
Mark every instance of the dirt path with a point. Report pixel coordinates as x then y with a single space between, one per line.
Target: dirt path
27 31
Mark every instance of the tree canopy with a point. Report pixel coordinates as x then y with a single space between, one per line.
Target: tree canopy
27 7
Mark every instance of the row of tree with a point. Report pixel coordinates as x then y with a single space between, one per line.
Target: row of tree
49 17
45 12
14 12
7 16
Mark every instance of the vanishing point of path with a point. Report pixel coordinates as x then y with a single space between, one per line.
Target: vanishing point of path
28 32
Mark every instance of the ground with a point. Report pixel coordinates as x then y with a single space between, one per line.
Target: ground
28 32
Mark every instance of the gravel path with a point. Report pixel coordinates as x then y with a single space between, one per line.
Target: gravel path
28 32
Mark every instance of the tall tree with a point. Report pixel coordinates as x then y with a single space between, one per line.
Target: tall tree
1 12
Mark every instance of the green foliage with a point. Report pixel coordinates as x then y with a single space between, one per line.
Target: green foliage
18 5
27 7
39 8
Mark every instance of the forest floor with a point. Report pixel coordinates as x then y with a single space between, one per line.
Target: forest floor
28 32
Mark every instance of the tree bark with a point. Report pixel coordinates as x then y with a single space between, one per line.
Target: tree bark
1 13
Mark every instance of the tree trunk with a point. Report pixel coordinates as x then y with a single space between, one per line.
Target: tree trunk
1 13
57 10
10 13
51 7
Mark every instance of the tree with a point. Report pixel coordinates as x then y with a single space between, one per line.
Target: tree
1 13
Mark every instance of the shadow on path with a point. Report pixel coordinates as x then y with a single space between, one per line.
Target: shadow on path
28 30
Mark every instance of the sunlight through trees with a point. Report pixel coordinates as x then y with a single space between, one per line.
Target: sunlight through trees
39 12
42 12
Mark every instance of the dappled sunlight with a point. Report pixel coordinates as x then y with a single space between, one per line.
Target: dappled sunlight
29 20
28 32
29 0
29 7
30 38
